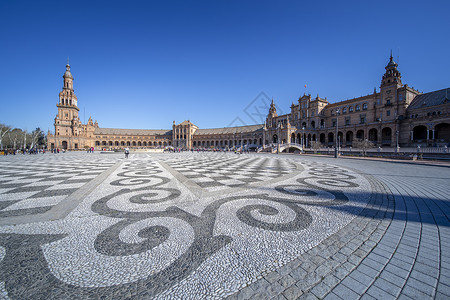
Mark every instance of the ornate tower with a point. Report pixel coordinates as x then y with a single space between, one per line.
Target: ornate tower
67 122
390 83
392 75
273 110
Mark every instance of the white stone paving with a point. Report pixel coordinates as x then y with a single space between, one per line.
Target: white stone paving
142 184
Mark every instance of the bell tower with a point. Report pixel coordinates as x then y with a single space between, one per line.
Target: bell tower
67 122
392 76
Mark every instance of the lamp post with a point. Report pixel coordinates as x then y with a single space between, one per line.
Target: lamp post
264 135
397 148
302 139
337 133
279 137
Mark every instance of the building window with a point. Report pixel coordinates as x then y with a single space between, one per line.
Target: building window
334 123
388 102
350 109
388 113
344 110
365 106
358 108
347 121
362 119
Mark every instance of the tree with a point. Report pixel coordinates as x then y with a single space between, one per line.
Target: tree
363 145
316 146
15 138
4 129
36 138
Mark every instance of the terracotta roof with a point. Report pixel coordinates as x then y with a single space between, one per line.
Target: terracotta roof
117 131
431 99
229 130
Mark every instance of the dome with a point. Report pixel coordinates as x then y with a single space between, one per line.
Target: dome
67 74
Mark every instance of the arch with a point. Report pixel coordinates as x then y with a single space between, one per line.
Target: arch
304 124
165 144
128 144
322 138
420 132
97 143
139 144
314 138
322 123
349 138
386 136
330 138
360 134
116 143
122 143
293 138
275 138
313 124
373 135
340 138
308 141
64 145
134 144
103 143
144 144
110 143
442 132
160 144
299 137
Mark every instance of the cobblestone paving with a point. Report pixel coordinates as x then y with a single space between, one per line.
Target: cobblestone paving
211 225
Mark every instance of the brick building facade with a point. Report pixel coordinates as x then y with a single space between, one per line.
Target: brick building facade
395 115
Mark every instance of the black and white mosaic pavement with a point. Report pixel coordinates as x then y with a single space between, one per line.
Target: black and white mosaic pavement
187 225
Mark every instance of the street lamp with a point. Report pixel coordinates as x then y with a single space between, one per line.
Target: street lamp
278 138
336 146
302 139
397 148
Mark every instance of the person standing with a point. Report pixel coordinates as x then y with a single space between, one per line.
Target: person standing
127 152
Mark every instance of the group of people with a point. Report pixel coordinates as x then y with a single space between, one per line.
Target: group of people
21 151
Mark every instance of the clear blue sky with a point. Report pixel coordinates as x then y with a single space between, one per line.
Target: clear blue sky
143 64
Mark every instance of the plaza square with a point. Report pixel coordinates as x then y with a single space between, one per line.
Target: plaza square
214 225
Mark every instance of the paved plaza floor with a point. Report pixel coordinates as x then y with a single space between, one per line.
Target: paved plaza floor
222 225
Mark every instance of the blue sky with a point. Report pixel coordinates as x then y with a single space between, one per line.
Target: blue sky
143 64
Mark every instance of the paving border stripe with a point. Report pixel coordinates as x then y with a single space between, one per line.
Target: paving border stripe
364 224
64 207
